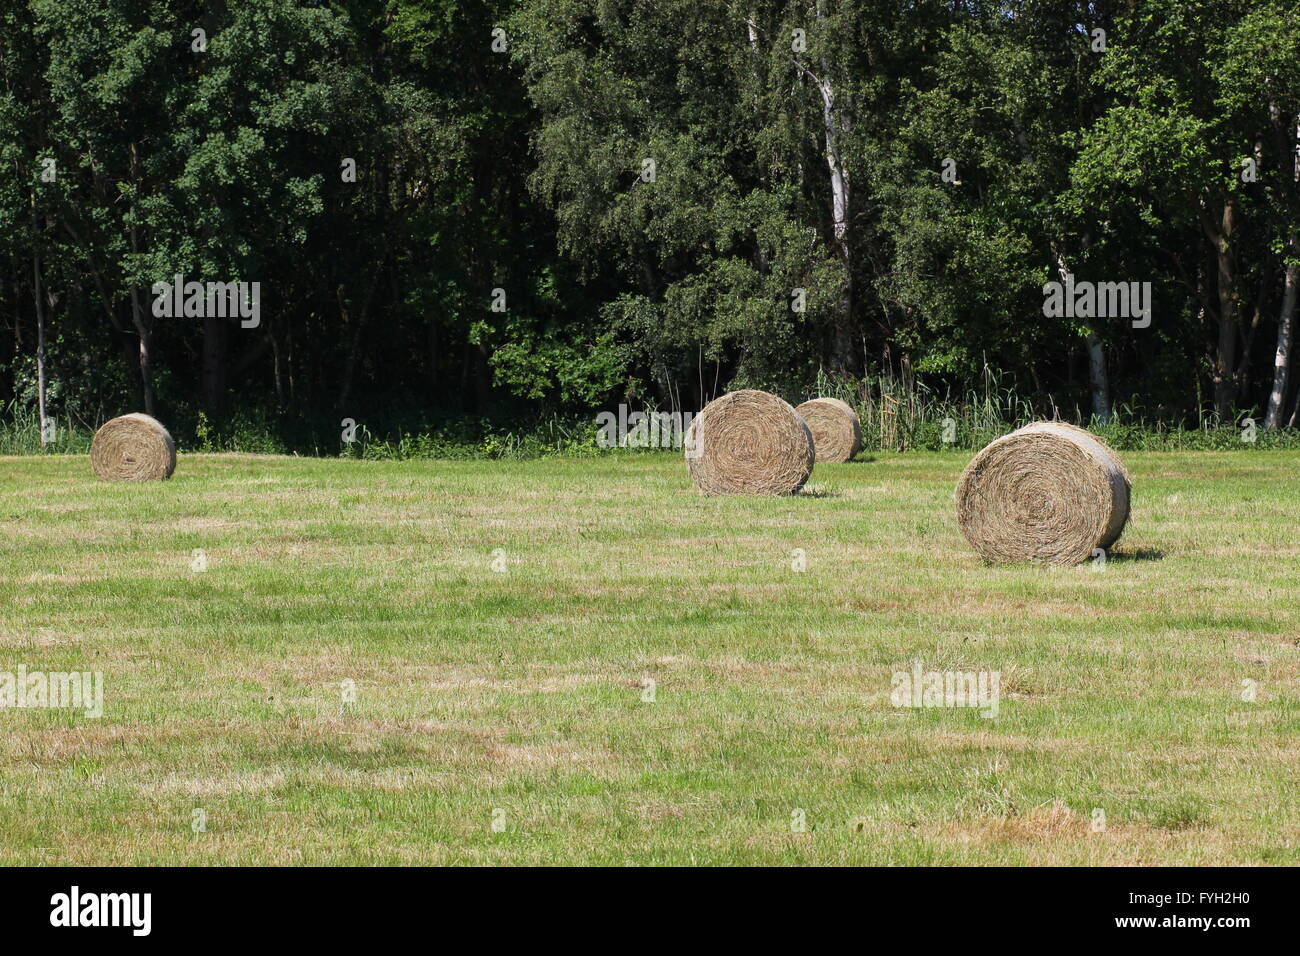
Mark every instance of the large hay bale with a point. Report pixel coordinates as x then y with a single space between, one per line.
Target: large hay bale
133 447
1048 492
836 431
749 443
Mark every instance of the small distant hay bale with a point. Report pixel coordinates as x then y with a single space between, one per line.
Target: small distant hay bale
749 443
1048 492
133 447
836 430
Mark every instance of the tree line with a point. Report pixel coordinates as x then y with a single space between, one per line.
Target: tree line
494 207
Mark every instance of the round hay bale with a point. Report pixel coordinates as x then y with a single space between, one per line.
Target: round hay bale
1048 492
836 431
749 443
133 447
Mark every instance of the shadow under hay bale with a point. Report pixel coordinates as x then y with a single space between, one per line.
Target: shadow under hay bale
133 447
749 443
1048 492
836 430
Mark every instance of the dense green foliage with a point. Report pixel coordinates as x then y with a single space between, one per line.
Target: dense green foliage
663 199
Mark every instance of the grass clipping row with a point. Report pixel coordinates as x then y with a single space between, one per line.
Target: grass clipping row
133 447
749 443
1048 492
836 430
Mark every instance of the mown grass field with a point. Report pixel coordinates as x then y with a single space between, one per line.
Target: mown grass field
518 695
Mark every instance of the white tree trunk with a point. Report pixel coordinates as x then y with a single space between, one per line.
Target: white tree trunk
1097 377
839 176
835 123
1282 358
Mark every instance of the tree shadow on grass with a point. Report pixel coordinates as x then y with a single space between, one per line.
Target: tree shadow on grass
1139 554
814 491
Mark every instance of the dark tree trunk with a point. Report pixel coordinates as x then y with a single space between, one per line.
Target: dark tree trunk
144 331
214 363
40 348
1220 234
434 379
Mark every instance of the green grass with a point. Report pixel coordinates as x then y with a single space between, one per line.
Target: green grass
522 691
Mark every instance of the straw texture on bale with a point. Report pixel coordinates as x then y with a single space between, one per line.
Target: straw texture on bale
133 447
749 443
836 431
1048 492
